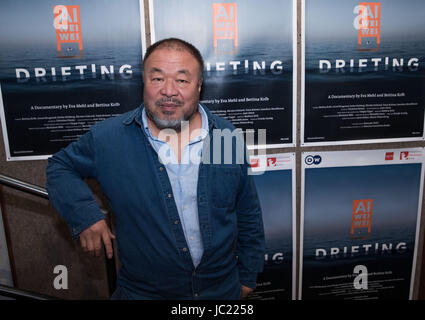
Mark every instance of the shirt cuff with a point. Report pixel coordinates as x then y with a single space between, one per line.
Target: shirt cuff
248 279
91 214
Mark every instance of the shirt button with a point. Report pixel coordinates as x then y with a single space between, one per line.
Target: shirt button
170 195
161 168
191 238
184 249
176 222
195 294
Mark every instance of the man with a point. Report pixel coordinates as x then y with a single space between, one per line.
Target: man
185 228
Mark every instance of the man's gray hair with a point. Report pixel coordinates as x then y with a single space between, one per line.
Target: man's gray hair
179 45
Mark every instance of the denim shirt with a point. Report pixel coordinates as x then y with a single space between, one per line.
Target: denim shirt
156 262
184 179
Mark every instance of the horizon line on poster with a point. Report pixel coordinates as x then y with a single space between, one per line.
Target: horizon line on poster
274 66
66 71
379 247
363 63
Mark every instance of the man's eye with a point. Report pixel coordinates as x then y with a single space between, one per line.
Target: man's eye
182 81
156 79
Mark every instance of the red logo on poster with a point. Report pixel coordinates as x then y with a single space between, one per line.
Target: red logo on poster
271 162
225 23
389 156
404 155
369 25
255 163
67 24
362 215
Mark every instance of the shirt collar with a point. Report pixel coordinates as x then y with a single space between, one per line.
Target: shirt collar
134 115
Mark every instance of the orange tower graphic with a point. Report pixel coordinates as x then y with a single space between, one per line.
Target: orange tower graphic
369 24
67 23
362 216
225 23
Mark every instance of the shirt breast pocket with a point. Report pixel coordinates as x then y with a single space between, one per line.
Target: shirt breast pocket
224 185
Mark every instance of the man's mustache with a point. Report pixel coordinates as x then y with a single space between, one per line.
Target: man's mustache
174 101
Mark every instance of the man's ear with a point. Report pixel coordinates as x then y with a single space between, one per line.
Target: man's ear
200 84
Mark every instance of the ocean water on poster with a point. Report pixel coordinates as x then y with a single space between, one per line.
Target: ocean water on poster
347 49
255 55
390 237
17 57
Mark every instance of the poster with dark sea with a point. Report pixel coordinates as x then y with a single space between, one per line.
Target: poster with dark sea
363 71
274 176
360 220
65 66
249 50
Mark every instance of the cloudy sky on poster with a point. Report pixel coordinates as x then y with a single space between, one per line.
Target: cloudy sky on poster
103 22
334 19
254 17
329 195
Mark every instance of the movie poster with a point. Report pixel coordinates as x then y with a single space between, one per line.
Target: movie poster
5 270
274 176
249 49
65 66
360 220
363 71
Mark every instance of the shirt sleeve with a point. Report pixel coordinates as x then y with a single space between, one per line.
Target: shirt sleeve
251 242
68 192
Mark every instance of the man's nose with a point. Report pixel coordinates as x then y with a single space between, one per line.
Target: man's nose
169 88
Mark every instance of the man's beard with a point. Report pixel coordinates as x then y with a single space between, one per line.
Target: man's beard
175 124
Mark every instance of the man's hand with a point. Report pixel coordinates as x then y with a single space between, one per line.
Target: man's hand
91 239
246 291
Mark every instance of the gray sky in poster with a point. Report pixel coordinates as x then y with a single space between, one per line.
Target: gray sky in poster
258 21
103 22
329 195
333 19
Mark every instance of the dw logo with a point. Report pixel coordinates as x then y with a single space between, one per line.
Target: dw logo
309 160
